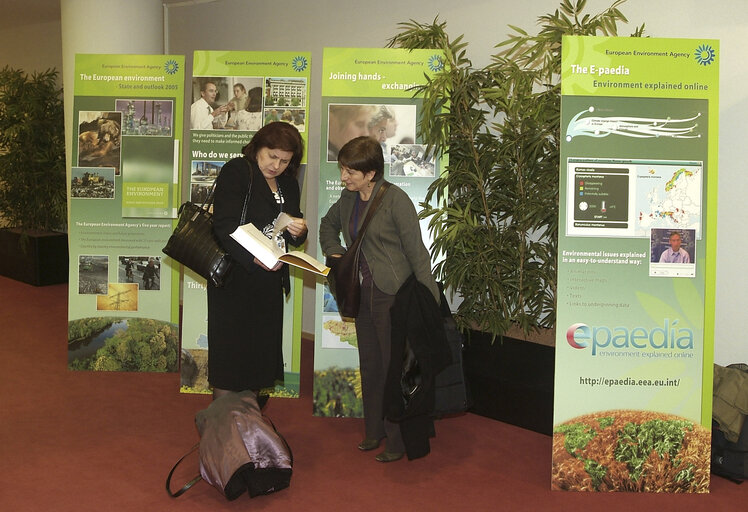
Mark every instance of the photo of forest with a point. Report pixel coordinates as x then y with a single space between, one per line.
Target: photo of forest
123 345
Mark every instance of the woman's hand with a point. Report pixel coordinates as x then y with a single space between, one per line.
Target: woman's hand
275 268
297 228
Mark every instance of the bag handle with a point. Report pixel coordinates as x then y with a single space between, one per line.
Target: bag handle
209 200
189 484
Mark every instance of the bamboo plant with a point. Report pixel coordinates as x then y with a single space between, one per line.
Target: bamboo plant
493 214
32 151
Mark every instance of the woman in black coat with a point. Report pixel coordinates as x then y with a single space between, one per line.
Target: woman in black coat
245 316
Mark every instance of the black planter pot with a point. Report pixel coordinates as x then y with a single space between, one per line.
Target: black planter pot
35 258
511 380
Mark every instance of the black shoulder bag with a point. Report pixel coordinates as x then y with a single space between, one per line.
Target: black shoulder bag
193 243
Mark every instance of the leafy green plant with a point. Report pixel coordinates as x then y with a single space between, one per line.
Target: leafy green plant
32 151
665 437
494 213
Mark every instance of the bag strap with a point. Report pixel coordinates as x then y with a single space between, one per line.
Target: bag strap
189 484
243 219
370 213
209 200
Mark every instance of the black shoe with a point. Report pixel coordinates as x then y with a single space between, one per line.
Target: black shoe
369 444
386 456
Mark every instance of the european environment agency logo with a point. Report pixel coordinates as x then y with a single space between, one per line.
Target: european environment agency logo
171 66
704 54
299 63
436 63
668 337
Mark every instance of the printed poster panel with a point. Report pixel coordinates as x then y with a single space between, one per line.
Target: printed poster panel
637 219
365 92
233 94
123 298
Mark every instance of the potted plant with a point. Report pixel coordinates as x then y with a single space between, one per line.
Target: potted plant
33 205
493 214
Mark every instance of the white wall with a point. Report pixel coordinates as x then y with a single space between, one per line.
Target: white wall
311 25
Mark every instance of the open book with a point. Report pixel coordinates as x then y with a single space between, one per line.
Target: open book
267 251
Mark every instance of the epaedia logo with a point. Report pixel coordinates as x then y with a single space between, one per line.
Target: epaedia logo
668 336
571 337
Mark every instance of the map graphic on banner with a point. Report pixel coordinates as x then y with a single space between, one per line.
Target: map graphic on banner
669 198
637 225
365 91
123 299
628 198
251 89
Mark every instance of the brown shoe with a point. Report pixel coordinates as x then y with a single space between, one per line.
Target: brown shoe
369 444
386 456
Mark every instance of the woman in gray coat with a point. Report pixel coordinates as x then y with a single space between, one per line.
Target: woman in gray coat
391 251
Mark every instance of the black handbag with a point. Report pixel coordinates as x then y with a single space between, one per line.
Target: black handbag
343 279
194 244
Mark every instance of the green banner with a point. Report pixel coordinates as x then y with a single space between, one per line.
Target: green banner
365 91
637 227
250 89
123 300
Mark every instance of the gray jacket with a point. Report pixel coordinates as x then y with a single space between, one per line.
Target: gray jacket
392 245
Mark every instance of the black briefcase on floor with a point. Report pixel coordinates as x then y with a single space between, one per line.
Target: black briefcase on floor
452 395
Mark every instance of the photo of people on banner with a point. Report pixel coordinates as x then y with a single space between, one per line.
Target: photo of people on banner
246 103
672 253
393 126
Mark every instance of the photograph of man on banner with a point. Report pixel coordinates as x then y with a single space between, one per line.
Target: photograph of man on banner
672 253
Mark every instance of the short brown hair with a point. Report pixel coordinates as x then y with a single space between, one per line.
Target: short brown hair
362 154
277 135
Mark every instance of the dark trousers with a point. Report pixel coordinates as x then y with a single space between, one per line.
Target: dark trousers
373 330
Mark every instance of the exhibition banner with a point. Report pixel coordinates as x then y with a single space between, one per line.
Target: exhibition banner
637 228
365 92
124 177
233 95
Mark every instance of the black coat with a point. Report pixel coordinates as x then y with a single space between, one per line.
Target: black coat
245 316
419 352
262 208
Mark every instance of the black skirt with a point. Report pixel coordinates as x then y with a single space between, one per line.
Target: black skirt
245 331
